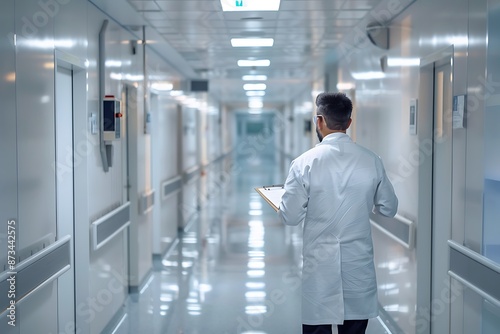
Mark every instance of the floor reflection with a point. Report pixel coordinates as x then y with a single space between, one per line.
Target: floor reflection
231 270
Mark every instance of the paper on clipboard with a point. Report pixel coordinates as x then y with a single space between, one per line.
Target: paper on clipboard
272 195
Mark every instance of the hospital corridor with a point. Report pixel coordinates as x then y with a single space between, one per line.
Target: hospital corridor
234 270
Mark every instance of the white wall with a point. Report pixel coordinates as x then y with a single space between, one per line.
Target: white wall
8 129
165 154
30 191
491 246
105 189
382 117
190 160
72 27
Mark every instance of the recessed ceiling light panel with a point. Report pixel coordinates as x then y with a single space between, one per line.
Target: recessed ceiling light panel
251 63
256 93
254 77
393 62
368 75
251 42
259 86
255 104
162 86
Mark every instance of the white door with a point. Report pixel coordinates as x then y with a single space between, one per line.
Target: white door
441 199
65 158
434 130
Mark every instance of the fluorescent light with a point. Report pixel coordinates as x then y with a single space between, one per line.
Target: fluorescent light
255 104
254 77
255 285
248 42
134 77
255 309
255 294
256 265
307 105
116 76
162 86
259 62
392 62
49 43
259 86
113 63
446 40
256 93
368 75
345 86
250 5
176 93
256 273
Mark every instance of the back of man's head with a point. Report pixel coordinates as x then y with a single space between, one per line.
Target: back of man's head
336 109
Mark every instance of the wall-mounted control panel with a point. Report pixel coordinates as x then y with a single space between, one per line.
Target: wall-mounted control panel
111 108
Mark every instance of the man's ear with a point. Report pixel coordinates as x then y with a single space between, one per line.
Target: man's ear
349 123
322 122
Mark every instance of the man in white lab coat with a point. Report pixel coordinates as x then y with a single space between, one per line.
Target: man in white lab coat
333 188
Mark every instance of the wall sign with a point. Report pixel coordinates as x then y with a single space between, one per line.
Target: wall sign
458 111
413 116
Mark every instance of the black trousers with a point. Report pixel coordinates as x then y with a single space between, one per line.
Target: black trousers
349 327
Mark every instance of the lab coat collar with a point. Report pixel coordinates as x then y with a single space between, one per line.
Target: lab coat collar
333 137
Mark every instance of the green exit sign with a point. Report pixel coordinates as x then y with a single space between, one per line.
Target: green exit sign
239 3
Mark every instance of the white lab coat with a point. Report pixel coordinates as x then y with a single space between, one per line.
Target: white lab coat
333 187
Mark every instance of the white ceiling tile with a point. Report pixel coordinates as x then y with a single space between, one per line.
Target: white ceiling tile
154 15
292 15
238 16
309 5
193 16
352 14
344 23
189 5
165 23
250 25
145 5
359 4
264 32
292 36
167 30
308 15
185 24
287 31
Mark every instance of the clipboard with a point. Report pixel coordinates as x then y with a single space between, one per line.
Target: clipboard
272 195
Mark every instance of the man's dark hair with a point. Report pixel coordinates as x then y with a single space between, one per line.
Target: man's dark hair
336 109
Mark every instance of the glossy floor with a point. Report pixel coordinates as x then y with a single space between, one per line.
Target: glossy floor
234 269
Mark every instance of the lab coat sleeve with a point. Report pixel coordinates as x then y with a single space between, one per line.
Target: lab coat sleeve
385 200
293 206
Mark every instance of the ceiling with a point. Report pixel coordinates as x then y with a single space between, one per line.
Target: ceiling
306 36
